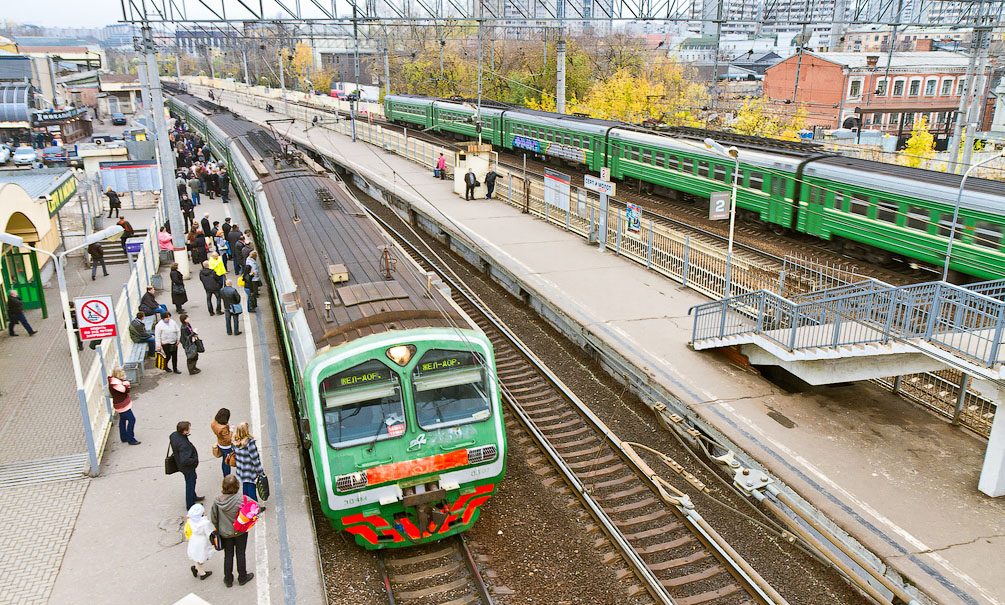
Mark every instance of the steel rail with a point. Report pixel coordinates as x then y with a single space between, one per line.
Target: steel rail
739 567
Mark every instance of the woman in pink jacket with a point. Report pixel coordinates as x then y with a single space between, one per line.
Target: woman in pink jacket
118 388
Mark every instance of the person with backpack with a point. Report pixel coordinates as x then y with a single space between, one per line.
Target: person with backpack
97 254
247 460
198 529
223 514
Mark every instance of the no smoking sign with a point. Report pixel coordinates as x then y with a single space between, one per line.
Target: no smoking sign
95 317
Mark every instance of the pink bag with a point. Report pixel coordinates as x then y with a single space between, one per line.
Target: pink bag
247 516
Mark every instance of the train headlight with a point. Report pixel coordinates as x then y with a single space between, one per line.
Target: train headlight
401 354
485 453
345 483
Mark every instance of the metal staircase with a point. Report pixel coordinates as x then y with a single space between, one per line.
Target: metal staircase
881 327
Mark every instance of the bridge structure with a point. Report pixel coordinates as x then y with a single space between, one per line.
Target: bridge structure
871 330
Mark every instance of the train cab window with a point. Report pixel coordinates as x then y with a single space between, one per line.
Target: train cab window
858 206
720 173
887 211
756 181
450 388
988 235
362 404
918 218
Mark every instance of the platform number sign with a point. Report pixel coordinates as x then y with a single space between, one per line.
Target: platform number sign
95 317
718 206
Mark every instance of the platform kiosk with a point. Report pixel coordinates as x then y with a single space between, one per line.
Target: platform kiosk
478 158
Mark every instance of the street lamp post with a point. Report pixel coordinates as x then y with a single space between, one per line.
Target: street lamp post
18 242
956 211
734 154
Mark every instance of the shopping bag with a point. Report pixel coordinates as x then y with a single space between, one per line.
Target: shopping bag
170 464
161 360
262 484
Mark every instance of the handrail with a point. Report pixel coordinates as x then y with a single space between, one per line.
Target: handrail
957 319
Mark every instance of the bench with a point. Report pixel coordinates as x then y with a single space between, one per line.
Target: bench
135 354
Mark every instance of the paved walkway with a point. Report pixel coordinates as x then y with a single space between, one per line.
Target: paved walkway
900 480
117 538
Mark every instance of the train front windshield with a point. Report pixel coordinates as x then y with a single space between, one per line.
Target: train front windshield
450 388
362 404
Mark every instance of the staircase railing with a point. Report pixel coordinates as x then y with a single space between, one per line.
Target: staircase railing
959 320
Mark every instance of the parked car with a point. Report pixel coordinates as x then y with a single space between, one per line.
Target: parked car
118 119
105 138
54 155
4 154
25 156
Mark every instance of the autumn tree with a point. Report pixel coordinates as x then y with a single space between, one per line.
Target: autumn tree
302 65
920 147
756 119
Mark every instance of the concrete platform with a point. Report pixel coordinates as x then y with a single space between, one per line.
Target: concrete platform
117 538
898 479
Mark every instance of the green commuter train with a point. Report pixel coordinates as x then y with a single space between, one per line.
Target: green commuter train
873 211
395 387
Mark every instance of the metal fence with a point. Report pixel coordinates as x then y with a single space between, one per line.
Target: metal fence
112 353
695 264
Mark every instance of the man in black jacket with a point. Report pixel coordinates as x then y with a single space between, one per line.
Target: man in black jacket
490 183
138 333
212 285
149 304
470 182
187 458
97 258
234 241
15 314
204 223
231 297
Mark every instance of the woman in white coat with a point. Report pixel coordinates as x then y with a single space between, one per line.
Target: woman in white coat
199 547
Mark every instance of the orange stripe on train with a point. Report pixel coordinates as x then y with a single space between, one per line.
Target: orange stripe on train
420 466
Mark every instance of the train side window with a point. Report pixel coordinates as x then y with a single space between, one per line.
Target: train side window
673 163
918 218
635 153
450 389
756 180
887 212
647 157
575 141
858 206
720 173
777 186
988 235
946 226
704 169
659 159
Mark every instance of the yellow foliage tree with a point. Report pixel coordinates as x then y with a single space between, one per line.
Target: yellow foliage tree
303 64
664 94
920 147
752 119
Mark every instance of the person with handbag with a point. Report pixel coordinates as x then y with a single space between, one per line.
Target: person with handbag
186 459
223 514
191 344
224 445
248 461
178 294
231 307
122 402
252 280
167 334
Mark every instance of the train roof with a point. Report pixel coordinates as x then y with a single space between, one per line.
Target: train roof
747 156
983 195
320 224
554 120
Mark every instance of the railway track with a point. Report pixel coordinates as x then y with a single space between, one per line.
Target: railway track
443 572
675 555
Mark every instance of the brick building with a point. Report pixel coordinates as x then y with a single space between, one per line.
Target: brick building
842 90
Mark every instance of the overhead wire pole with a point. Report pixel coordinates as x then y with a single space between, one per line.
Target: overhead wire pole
169 193
560 59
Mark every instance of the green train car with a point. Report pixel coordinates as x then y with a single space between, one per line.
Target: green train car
873 211
395 388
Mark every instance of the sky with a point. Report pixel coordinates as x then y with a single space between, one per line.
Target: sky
66 13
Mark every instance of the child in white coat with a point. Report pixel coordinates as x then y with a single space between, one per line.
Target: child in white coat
199 548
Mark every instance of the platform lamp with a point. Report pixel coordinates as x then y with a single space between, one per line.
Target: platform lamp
58 258
956 211
734 154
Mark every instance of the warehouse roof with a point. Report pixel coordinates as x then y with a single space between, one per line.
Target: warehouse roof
935 59
37 182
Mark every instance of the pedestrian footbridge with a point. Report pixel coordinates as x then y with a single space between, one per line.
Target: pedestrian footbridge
868 330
